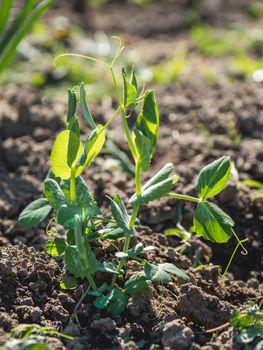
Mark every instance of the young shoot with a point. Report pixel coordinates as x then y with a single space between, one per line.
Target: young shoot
73 206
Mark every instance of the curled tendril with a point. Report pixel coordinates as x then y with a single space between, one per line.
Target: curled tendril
243 252
51 231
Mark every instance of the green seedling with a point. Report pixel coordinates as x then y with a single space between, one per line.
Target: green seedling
13 30
67 195
31 337
256 186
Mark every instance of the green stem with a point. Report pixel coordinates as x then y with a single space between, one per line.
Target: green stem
72 190
91 281
183 197
131 224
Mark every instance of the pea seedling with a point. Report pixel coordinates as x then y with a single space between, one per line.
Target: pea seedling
74 207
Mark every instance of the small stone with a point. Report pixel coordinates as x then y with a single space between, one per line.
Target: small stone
253 283
104 325
176 335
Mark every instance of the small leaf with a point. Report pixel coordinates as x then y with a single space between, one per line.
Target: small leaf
66 216
171 268
84 197
84 107
34 213
156 273
120 214
136 283
136 250
130 92
212 223
106 267
72 103
65 153
73 126
55 247
133 79
73 262
162 175
213 178
68 282
155 191
53 193
118 301
143 146
92 147
149 119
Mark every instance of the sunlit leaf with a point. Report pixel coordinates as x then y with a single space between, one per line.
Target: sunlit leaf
34 213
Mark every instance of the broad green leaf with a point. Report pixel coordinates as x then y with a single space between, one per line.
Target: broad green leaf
130 92
156 273
68 282
153 192
55 247
73 262
34 213
84 196
120 214
143 146
84 107
149 119
136 283
162 175
72 104
53 193
66 216
213 178
91 262
101 302
65 153
92 147
212 223
171 268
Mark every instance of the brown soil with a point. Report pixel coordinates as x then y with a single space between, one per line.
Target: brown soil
199 123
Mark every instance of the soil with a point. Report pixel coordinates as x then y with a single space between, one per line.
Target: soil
199 122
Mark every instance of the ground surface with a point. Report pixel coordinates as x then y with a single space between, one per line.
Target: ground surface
199 122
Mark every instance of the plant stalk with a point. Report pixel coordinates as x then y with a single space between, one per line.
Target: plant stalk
72 189
183 197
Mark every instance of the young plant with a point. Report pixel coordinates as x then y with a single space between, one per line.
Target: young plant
13 30
74 207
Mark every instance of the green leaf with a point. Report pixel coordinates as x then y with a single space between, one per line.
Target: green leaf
73 125
118 300
106 267
136 283
171 268
213 178
133 79
155 191
65 153
73 262
79 239
66 216
130 92
34 213
53 193
212 223
162 175
72 104
149 119
156 273
92 147
84 197
120 214
248 334
136 250
143 146
55 247
68 282
84 107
